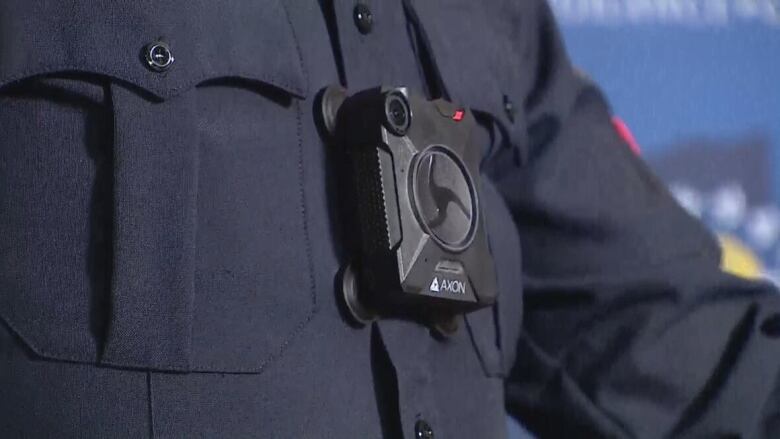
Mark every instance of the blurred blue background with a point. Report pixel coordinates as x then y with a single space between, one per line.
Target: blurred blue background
698 83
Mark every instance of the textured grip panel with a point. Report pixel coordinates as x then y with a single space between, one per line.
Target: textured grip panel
375 234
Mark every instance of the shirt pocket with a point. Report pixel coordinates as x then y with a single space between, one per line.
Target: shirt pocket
153 218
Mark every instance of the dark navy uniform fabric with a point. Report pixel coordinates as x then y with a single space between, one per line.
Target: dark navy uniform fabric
169 242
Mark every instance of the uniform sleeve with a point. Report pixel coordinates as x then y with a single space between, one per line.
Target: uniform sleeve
630 327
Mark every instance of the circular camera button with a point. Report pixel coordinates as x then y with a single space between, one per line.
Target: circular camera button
445 198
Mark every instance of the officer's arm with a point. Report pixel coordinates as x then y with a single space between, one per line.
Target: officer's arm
631 328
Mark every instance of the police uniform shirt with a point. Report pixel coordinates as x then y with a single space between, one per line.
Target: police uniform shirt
169 245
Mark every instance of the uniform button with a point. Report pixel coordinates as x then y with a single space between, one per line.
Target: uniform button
771 326
509 108
364 19
158 56
422 430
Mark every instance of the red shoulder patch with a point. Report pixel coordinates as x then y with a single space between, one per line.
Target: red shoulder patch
625 133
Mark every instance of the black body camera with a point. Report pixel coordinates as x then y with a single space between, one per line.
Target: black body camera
411 180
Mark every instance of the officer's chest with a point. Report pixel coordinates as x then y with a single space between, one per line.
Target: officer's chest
470 47
174 146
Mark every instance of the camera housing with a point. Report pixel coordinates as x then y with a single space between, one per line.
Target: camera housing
410 189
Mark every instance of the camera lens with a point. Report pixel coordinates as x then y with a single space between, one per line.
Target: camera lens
397 113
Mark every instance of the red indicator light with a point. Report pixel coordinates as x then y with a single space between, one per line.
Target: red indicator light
458 116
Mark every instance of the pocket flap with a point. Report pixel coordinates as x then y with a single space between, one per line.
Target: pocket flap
251 40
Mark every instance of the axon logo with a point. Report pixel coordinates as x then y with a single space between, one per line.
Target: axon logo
447 286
